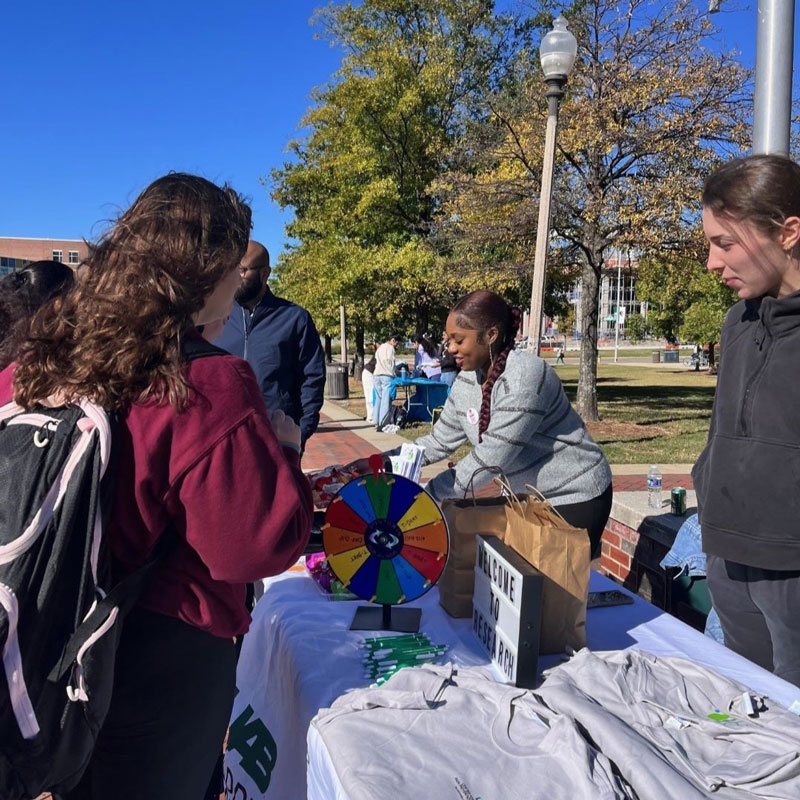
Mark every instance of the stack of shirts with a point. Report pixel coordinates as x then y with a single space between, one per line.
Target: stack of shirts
623 724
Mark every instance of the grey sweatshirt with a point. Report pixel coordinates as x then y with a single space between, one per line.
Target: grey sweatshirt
534 436
650 716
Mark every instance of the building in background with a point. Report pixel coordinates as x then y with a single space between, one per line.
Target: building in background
628 302
15 252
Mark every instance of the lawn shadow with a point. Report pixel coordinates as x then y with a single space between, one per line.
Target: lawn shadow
659 398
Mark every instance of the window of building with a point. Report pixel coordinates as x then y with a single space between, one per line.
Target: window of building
73 257
58 255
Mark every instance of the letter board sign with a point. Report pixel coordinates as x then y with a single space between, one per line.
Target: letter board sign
507 610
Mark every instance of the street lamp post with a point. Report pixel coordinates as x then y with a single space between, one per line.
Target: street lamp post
557 54
772 99
619 300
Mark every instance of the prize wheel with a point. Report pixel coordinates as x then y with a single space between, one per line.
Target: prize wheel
385 539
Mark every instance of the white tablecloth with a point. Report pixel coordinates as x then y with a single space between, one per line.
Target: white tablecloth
300 656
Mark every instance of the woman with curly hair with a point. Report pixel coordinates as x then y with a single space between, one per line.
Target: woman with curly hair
511 407
198 460
22 293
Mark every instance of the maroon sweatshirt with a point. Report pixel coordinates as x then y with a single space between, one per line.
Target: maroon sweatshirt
218 477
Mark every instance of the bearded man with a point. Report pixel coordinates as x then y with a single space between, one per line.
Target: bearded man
279 341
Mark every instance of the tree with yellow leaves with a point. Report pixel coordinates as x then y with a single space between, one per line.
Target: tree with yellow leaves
650 107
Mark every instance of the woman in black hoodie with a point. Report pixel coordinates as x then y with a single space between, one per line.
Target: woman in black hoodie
748 476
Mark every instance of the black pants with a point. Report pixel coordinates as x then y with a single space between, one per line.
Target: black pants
591 514
758 609
172 700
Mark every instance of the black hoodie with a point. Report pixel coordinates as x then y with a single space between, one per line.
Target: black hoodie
748 477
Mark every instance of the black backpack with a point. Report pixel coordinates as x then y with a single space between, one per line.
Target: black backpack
399 416
60 619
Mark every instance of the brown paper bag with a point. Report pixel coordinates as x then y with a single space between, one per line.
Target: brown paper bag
562 554
465 520
534 528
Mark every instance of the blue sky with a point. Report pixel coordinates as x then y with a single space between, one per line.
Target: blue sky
99 98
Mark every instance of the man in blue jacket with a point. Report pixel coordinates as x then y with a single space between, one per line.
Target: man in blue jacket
279 341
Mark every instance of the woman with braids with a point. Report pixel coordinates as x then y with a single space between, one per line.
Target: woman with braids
198 460
510 406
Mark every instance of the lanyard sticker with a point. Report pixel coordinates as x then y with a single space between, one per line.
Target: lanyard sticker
472 416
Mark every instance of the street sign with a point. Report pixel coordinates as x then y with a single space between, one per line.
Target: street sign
506 610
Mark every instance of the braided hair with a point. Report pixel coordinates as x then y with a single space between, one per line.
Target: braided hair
480 311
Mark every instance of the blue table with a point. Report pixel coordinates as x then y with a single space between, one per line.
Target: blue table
427 395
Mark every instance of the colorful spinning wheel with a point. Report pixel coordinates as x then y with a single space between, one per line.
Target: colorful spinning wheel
385 539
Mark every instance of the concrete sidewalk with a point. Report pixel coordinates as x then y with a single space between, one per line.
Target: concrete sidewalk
342 437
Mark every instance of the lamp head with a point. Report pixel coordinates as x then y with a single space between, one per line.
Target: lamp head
558 50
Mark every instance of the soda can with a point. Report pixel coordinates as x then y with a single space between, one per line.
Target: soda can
678 501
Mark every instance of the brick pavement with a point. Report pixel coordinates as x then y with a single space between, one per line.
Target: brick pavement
334 444
638 483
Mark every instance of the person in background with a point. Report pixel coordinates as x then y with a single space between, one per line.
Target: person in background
511 407
747 476
426 359
22 293
197 457
560 354
279 341
368 384
383 374
447 361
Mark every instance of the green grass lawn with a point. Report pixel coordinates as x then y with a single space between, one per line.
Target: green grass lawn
648 416
607 354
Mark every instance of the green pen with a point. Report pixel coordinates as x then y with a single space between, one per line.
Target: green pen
382 640
406 646
410 654
382 655
377 673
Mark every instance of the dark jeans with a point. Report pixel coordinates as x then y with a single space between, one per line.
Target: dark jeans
758 609
173 694
591 514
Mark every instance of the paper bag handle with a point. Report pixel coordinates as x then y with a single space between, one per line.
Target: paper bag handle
505 485
500 480
539 496
470 485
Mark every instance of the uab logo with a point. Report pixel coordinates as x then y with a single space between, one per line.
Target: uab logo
254 743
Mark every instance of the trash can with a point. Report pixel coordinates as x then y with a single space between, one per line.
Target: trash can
655 356
336 385
672 356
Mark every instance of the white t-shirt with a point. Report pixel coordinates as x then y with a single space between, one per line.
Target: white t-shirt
384 360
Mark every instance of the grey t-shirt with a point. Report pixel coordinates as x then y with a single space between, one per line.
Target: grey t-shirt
434 732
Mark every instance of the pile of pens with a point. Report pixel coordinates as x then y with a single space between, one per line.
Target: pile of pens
387 654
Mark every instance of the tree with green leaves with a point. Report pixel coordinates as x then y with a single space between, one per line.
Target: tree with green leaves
650 107
686 301
361 181
636 327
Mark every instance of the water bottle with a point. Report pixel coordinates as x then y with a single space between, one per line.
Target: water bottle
654 487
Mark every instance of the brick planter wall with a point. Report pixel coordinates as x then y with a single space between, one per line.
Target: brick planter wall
631 556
